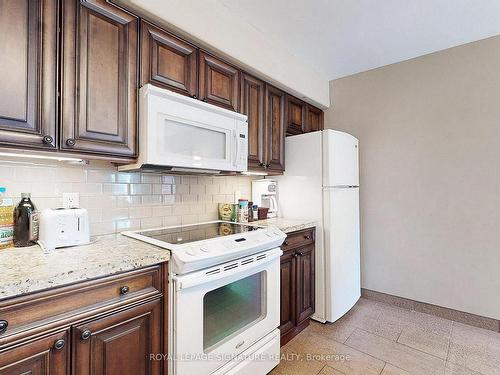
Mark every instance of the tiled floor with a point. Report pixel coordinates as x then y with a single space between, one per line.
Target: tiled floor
376 338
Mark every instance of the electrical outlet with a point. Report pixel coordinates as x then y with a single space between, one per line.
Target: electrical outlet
71 200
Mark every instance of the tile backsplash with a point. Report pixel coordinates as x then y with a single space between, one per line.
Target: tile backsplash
118 201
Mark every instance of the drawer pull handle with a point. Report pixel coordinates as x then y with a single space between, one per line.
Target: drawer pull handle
124 290
307 237
3 326
86 334
59 344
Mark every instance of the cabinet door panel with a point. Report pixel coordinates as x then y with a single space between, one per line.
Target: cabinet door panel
219 82
287 291
305 282
38 357
296 116
120 344
28 66
99 90
275 123
252 105
314 119
168 61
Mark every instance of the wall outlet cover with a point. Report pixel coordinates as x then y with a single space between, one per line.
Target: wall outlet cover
71 200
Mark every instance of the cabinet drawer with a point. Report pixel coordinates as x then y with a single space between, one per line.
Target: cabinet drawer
299 238
59 306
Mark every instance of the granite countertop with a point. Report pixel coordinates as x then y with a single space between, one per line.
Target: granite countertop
28 269
287 225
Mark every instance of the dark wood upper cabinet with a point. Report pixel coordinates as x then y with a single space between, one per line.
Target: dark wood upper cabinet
296 119
275 129
219 82
252 105
28 73
120 344
168 61
99 78
314 119
45 356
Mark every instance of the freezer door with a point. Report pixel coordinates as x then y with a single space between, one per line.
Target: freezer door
340 158
342 250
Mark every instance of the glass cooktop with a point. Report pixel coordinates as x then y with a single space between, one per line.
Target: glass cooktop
199 232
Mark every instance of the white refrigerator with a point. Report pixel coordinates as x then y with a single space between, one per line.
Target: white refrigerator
321 182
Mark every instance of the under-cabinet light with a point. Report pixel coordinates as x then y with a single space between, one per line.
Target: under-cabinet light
42 157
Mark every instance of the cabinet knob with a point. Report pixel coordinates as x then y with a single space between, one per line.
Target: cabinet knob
47 139
307 237
295 255
3 326
194 96
262 165
285 243
300 254
70 142
124 290
59 344
86 334
204 99
268 165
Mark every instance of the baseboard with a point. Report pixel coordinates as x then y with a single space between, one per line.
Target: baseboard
442 312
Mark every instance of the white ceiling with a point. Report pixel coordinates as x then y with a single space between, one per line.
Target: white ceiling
343 37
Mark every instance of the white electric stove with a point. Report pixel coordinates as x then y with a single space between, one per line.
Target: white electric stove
225 296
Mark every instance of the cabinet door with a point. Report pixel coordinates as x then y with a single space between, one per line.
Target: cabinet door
99 78
168 61
275 129
296 118
314 119
219 82
119 344
305 282
45 356
28 66
252 105
287 290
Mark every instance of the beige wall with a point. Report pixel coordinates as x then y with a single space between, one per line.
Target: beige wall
429 131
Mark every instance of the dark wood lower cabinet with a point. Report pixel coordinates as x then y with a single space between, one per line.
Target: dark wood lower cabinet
44 356
107 326
297 283
119 344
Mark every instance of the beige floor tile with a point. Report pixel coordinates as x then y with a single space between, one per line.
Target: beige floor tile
338 331
453 369
393 370
334 354
475 348
402 356
378 318
327 370
297 366
427 333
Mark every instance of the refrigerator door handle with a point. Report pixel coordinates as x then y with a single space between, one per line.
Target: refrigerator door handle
345 186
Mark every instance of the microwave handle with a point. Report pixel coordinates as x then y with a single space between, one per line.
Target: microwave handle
237 153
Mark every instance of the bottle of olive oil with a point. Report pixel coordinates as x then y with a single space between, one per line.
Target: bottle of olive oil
25 222
6 220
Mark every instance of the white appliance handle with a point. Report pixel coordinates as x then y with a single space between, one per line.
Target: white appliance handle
237 153
274 204
188 281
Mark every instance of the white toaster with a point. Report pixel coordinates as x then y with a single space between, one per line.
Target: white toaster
63 227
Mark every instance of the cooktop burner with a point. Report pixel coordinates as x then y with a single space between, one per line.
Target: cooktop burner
199 232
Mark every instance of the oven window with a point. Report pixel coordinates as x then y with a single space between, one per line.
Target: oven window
232 308
193 141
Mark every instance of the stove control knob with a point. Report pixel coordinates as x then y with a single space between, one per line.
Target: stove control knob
205 249
191 251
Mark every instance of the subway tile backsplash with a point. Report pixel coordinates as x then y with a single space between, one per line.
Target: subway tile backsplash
118 201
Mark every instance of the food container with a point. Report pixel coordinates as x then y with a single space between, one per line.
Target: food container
262 213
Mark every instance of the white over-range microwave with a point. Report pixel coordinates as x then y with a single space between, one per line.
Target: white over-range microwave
185 135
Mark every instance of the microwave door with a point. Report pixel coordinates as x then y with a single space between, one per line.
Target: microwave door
196 145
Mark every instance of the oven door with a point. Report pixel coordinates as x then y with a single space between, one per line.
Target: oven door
218 316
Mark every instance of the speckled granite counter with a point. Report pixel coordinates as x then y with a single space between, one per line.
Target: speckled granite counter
287 225
28 269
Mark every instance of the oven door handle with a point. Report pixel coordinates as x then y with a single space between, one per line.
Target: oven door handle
188 281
